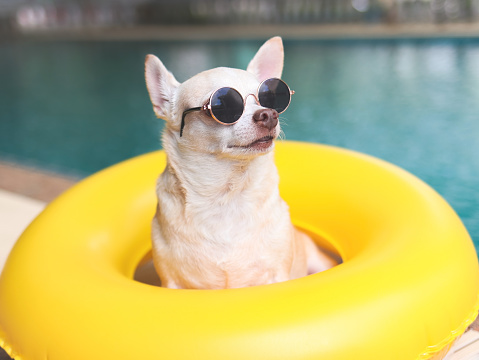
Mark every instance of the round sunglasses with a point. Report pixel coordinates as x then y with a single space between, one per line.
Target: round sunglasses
226 105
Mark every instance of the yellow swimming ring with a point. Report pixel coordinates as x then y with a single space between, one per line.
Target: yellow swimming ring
407 289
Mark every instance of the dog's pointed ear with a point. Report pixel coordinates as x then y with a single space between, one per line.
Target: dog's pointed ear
268 61
161 85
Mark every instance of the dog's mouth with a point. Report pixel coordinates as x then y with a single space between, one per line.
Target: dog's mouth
264 141
260 144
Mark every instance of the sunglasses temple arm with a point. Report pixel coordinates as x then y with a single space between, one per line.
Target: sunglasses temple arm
186 112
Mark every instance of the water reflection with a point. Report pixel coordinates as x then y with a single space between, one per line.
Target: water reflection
78 107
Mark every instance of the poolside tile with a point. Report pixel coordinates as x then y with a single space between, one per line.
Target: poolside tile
36 184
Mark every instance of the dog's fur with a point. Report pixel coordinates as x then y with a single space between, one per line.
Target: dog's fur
220 221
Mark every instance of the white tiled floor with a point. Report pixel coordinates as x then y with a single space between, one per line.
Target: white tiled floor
16 212
467 347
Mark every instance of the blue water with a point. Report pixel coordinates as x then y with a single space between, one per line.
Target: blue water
77 107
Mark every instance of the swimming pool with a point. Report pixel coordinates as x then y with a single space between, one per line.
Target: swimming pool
77 107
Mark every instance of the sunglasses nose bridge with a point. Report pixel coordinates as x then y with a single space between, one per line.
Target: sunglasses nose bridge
254 97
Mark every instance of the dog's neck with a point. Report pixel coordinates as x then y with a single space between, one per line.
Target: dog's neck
210 177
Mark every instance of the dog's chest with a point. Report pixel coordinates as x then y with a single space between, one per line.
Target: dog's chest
233 249
234 215
234 235
236 229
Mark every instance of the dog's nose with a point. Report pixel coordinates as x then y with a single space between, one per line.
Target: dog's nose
266 117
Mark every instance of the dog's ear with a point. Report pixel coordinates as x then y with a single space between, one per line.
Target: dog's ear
161 85
268 61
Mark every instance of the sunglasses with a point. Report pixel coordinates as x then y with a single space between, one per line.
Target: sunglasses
226 105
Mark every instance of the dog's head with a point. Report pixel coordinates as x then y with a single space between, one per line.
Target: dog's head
251 134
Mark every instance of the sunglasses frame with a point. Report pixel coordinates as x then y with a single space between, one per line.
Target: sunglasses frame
207 107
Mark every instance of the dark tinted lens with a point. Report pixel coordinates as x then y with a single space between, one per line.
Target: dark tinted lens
227 105
274 94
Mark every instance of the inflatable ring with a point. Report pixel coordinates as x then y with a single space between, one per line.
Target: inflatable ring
408 286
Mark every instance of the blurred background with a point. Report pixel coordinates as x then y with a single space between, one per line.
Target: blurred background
28 15
397 79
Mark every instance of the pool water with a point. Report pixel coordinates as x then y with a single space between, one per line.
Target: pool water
77 107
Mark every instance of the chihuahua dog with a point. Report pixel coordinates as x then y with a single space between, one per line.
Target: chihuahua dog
220 221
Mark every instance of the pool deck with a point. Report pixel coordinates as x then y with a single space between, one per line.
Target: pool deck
227 32
25 192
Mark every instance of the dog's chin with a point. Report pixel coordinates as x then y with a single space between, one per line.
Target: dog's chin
257 147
